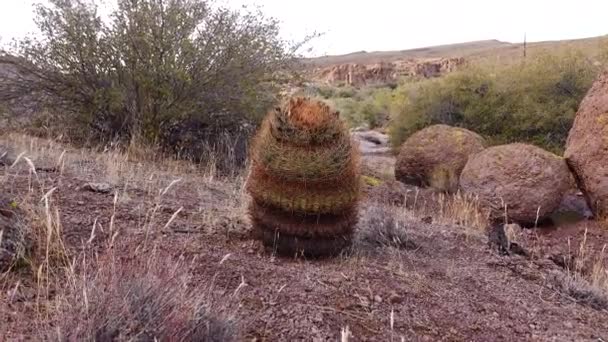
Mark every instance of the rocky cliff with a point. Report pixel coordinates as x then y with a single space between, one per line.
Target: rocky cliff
354 74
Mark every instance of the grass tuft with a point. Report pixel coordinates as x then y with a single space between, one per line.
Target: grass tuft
143 298
586 276
381 227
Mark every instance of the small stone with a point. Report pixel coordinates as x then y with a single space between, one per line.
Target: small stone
377 299
395 298
102 188
569 325
318 318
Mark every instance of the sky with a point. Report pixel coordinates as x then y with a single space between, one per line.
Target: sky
378 25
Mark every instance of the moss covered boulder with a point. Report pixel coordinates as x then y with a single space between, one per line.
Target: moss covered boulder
435 156
526 180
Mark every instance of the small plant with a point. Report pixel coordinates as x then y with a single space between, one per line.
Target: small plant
372 181
586 276
304 180
381 227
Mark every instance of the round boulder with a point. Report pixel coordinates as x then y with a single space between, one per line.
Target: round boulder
435 156
587 147
529 181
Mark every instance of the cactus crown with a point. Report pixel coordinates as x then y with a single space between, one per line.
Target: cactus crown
303 122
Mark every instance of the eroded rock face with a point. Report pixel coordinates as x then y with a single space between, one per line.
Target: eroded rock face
435 156
355 74
360 74
435 68
530 181
587 147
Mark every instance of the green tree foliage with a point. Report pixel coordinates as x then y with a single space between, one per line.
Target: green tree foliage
534 101
149 67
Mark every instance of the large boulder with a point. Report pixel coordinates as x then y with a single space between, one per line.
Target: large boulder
435 156
528 180
12 234
587 147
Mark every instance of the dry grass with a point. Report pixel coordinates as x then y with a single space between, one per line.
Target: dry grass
142 297
147 298
383 226
462 210
586 276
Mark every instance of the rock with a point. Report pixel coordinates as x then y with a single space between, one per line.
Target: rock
530 181
435 156
436 68
384 73
587 147
103 188
395 298
573 208
504 238
354 74
372 142
7 156
13 235
374 137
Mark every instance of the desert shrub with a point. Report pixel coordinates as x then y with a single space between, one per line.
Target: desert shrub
150 68
369 107
380 226
534 101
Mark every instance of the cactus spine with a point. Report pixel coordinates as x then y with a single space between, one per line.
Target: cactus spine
304 180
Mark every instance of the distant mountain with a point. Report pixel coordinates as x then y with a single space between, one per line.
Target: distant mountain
471 51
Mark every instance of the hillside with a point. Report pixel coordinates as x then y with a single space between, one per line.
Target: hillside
471 50
164 237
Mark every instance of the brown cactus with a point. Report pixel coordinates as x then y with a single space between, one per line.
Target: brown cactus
304 180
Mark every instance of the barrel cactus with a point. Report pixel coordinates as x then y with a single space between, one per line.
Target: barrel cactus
304 180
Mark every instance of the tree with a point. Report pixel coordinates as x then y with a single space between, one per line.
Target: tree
151 68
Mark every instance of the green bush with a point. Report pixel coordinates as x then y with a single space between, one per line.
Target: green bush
369 106
534 101
152 71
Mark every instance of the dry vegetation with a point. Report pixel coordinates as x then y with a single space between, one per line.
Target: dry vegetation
167 250
87 290
586 275
132 242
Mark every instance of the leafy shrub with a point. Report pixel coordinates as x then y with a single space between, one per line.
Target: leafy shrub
368 107
533 102
151 67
